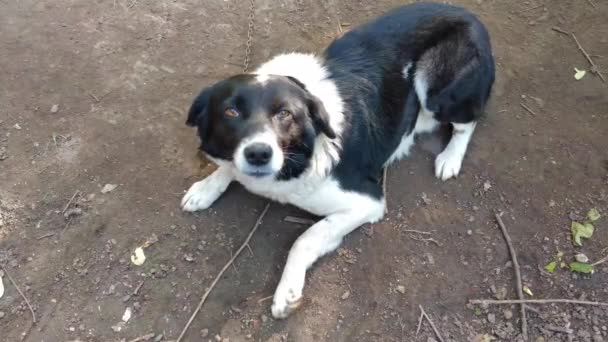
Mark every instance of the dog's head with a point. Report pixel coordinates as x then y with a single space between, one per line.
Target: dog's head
265 125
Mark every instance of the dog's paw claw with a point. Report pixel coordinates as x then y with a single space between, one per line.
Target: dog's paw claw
284 304
447 165
198 197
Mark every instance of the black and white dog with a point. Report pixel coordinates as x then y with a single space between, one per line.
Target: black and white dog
317 131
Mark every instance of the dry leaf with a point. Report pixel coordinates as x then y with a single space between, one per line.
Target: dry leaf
579 74
528 291
138 258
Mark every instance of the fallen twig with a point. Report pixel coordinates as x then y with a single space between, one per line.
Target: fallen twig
419 323
594 67
93 96
132 4
428 319
143 337
45 236
520 292
217 278
527 109
27 302
535 301
70 202
563 330
384 176
557 29
416 238
591 3
298 220
601 261
136 291
417 232
260 301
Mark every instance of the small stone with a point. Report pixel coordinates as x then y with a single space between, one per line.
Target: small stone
189 257
3 153
158 338
598 338
491 318
55 108
580 257
2 314
508 314
108 187
501 293
551 203
469 232
540 339
204 333
264 318
486 186
126 298
72 212
345 295
401 289
17 126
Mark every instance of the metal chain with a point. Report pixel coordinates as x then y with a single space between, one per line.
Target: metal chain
249 36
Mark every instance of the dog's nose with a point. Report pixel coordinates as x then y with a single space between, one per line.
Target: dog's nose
258 154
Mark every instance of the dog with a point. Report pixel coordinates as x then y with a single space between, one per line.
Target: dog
316 131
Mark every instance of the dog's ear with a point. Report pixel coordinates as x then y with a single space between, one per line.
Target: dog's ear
320 117
198 110
318 113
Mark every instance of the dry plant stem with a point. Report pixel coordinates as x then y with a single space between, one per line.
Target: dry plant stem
70 202
520 292
298 220
27 302
419 323
536 301
593 65
528 109
217 278
431 323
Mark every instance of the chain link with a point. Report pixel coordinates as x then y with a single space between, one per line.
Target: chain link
249 36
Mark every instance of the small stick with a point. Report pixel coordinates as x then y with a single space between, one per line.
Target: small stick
601 261
593 66
417 231
557 29
536 301
136 291
70 202
298 220
45 236
233 265
591 3
143 337
93 96
419 323
527 109
384 175
559 329
250 250
520 292
132 4
66 225
8 275
426 240
431 323
264 299
217 278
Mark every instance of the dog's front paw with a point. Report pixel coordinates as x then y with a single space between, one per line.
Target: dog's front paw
286 300
447 164
200 195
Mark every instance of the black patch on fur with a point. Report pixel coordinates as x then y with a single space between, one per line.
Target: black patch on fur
381 104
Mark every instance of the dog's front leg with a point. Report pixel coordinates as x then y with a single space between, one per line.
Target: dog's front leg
322 238
203 193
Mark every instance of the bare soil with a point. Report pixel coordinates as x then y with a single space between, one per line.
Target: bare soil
95 93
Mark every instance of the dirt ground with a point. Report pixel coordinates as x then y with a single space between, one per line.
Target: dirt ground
95 93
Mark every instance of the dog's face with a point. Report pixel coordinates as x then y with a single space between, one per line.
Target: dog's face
265 125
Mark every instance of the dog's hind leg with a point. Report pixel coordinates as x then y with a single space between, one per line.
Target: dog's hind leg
320 239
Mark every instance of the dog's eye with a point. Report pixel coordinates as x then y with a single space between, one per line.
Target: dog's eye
231 112
283 114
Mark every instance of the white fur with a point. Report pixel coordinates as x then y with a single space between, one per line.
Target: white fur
267 137
309 70
203 193
448 162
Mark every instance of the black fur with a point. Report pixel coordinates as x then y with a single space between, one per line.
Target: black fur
381 105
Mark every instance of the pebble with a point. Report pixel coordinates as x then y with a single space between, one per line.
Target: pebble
204 333
158 338
401 289
492 318
345 295
469 232
2 314
581 258
508 314
55 108
264 318
108 187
